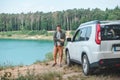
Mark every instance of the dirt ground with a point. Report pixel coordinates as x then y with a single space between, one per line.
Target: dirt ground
68 73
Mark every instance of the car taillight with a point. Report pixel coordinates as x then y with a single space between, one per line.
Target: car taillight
101 62
117 65
98 34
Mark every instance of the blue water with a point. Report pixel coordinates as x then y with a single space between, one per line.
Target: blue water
24 52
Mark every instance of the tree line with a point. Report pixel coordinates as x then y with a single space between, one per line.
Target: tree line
69 19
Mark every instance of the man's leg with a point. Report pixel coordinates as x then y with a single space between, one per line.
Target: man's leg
61 55
55 55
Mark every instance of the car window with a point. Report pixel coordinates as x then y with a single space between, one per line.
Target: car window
77 36
110 32
83 34
88 33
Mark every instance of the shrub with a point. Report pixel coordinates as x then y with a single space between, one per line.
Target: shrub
72 32
43 76
9 35
43 31
49 56
51 76
1 67
5 66
37 61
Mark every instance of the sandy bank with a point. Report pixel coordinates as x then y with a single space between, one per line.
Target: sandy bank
35 37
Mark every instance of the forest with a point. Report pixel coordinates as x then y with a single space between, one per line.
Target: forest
69 19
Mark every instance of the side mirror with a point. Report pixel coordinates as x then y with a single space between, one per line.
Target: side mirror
69 39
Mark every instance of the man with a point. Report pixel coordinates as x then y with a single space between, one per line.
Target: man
59 39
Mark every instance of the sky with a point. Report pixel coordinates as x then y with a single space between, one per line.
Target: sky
18 6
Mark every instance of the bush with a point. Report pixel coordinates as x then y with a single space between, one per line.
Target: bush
44 76
37 32
37 61
9 35
5 66
51 76
50 33
72 32
1 67
26 32
49 56
43 31
32 33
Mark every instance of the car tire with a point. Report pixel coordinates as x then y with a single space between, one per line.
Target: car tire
86 65
68 61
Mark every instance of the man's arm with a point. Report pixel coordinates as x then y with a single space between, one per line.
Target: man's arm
64 37
54 37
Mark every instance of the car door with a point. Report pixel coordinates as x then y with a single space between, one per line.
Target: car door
73 45
80 44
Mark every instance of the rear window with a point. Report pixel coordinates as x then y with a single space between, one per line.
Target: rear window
110 32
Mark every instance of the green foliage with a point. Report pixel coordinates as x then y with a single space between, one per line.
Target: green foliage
26 32
72 32
51 76
36 32
1 67
5 66
50 33
69 19
44 32
37 61
43 76
8 34
49 56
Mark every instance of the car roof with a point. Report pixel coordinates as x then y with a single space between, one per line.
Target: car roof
115 22
107 22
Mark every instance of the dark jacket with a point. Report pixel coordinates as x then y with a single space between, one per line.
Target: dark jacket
62 36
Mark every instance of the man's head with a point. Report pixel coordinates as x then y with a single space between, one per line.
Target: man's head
58 27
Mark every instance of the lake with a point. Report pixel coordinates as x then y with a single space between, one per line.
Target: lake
24 52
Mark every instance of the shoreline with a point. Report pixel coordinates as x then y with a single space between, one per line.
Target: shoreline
27 37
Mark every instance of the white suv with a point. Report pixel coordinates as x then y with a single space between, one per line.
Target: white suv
95 44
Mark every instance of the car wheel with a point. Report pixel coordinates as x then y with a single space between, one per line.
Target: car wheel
68 62
85 65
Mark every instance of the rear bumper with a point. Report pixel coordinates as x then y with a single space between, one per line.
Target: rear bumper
114 62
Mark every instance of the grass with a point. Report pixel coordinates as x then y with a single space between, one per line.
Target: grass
51 76
73 68
93 77
29 35
6 66
74 73
72 32
48 57
43 76
10 66
29 32
25 32
31 76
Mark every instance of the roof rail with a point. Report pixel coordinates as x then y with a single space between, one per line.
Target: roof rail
90 22
109 21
